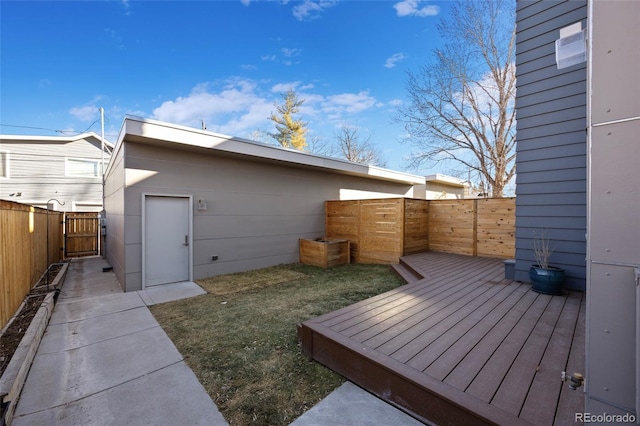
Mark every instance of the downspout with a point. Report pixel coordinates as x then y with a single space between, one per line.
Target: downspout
103 213
637 273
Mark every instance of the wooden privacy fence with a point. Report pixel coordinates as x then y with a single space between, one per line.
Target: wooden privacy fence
383 230
81 234
24 254
481 227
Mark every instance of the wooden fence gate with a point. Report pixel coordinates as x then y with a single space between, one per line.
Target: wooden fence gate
82 234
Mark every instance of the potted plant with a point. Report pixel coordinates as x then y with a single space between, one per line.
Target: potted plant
545 279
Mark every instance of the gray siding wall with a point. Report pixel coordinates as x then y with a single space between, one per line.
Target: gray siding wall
256 211
114 243
37 170
551 161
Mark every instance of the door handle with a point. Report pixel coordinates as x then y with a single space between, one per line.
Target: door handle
186 240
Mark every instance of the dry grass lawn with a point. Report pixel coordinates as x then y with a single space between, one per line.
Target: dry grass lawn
240 338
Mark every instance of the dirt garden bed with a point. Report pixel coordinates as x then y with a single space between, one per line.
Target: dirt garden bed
21 337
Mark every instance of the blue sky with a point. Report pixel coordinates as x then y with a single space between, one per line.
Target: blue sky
225 62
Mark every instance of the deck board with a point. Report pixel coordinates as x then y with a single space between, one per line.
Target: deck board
459 346
464 373
428 355
489 378
430 312
393 326
571 401
545 387
447 361
513 391
437 328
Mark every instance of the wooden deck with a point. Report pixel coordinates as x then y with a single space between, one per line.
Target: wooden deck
460 345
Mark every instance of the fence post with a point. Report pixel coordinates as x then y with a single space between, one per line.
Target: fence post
475 227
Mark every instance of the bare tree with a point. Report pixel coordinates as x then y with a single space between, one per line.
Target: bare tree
318 145
357 148
461 106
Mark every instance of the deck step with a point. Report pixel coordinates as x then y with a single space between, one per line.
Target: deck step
461 346
405 272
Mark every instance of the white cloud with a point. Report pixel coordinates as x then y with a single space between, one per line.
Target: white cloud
241 107
284 56
114 37
284 87
350 103
88 112
127 7
415 8
290 52
236 109
85 113
244 124
310 9
394 59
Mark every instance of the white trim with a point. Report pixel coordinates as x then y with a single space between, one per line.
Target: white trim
8 164
622 120
144 196
446 180
74 205
55 138
95 161
156 132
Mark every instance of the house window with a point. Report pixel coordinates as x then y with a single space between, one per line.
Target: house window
82 167
4 164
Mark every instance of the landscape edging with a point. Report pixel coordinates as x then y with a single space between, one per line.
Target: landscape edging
13 378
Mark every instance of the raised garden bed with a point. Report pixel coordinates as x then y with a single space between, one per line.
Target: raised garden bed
324 252
21 337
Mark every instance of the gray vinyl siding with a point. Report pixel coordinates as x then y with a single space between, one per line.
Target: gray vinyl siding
551 150
37 170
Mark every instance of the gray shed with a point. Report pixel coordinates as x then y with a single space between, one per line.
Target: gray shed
183 204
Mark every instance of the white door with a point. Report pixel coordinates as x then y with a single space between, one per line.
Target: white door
166 240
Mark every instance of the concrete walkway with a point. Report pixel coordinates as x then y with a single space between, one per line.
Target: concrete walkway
105 360
350 405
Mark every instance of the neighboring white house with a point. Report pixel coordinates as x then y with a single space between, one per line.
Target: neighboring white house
37 169
441 187
183 203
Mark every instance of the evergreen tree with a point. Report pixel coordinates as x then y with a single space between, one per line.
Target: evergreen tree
291 132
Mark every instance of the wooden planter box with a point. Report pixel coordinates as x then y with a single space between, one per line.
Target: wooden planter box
324 252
